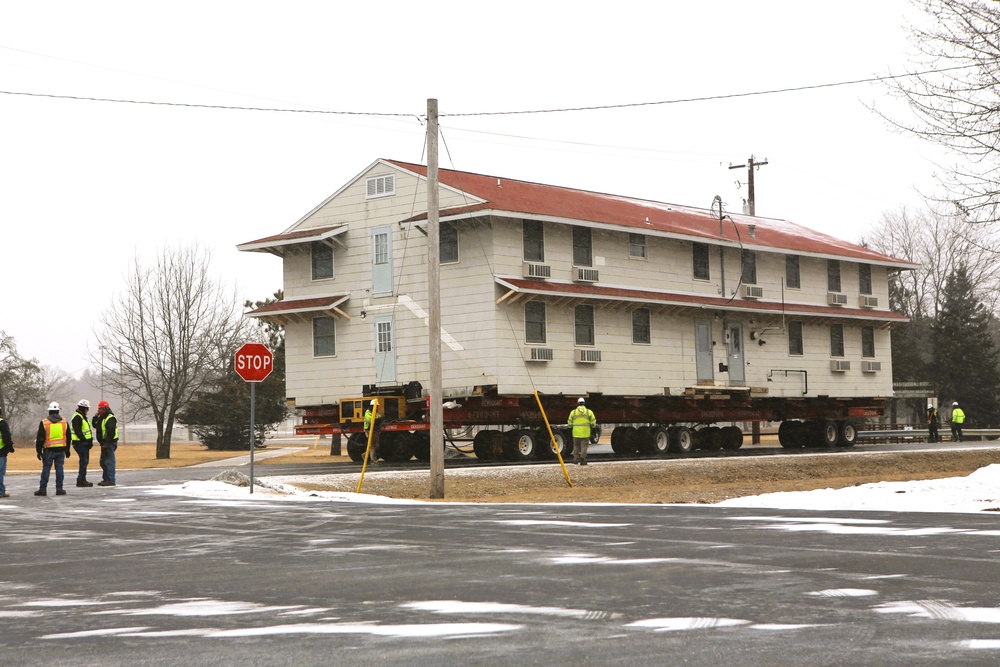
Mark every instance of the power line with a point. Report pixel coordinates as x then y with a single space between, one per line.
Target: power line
604 107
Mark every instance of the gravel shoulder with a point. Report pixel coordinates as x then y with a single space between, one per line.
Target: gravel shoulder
701 480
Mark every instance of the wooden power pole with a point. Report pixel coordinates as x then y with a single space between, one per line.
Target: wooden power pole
751 163
434 304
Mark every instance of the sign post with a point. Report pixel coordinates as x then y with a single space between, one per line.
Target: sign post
253 362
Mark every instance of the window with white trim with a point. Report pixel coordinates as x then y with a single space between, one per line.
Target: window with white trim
448 242
583 318
322 260
380 186
640 326
324 337
637 246
534 322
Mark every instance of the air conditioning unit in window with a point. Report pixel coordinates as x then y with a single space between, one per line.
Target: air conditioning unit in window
584 275
586 356
538 354
868 301
871 366
836 299
753 292
839 365
530 270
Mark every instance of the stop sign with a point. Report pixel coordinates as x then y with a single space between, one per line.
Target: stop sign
254 362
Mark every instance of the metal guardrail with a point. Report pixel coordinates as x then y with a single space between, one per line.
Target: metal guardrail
922 433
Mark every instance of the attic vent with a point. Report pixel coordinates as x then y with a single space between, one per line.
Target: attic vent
583 275
839 365
380 186
530 270
586 356
871 366
753 291
836 299
868 301
538 354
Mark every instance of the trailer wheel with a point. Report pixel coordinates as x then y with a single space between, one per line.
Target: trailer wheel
788 434
829 433
848 434
661 441
709 438
356 446
732 438
595 434
623 446
546 450
520 444
641 442
483 444
681 439
420 443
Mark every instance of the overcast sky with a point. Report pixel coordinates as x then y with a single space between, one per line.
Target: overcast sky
86 184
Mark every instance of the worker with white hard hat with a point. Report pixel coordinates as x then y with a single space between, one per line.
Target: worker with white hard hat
52 446
581 420
933 421
373 422
83 440
957 419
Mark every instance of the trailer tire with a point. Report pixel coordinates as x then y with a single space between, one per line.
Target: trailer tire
661 441
420 443
483 444
681 439
829 433
356 446
642 440
848 434
520 444
595 434
788 434
709 438
562 441
732 438
623 446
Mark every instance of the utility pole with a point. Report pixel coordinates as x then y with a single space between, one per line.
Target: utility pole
751 163
434 304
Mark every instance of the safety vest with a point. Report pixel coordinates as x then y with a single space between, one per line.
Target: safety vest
368 419
55 433
102 427
582 419
957 416
84 428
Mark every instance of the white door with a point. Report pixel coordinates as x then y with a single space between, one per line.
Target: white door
703 350
385 350
734 346
381 261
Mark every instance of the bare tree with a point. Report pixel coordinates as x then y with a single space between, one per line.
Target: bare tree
940 244
169 335
22 384
954 93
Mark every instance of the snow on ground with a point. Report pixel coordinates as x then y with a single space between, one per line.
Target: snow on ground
978 492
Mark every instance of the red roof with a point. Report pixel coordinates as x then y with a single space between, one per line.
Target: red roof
543 287
534 199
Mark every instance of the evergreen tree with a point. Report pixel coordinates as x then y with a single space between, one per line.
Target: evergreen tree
966 358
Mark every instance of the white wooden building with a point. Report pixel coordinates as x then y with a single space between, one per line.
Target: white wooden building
567 291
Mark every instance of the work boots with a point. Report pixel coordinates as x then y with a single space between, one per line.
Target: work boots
84 483
41 492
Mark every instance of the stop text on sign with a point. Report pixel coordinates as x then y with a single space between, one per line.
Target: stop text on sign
253 362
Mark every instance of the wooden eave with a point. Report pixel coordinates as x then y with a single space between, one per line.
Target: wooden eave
297 241
302 310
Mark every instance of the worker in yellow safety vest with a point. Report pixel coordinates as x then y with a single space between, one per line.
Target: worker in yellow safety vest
373 422
83 440
957 419
52 446
581 420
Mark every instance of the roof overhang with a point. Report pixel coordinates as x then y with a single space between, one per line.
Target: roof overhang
678 303
302 310
294 241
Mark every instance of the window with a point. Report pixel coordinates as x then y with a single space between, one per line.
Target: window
533 240
748 260
833 275
381 250
448 241
792 272
865 278
868 342
534 322
380 186
322 260
795 338
836 340
640 326
637 246
583 317
324 337
582 248
383 337
700 255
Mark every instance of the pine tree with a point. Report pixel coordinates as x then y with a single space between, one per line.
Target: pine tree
966 361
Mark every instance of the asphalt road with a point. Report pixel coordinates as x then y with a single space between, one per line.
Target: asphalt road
125 576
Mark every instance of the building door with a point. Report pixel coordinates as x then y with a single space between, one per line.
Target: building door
385 350
381 261
703 350
734 347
